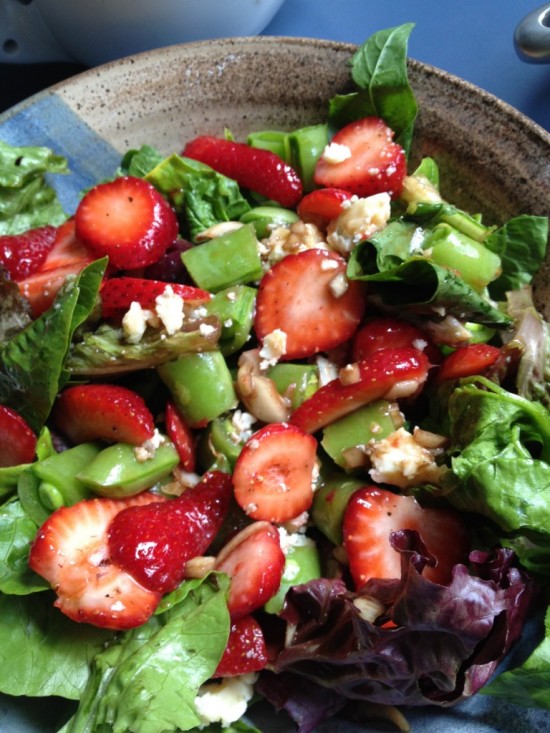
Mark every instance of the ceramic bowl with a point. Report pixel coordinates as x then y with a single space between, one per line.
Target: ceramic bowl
493 160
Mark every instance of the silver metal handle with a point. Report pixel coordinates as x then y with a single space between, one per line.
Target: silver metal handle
532 36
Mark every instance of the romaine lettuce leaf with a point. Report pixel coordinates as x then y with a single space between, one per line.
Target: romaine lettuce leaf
26 198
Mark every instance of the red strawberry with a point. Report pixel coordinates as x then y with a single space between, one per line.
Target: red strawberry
255 562
118 293
259 170
245 651
322 205
103 412
386 332
22 254
467 361
68 256
127 220
181 436
17 440
373 513
375 163
70 551
308 296
153 543
273 474
388 373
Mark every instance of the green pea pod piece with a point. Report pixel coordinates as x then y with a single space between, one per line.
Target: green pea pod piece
31 500
305 147
201 386
234 308
266 218
117 471
273 140
329 504
302 564
474 263
297 382
371 422
58 475
230 259
220 444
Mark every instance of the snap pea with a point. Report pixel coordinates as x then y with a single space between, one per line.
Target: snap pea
265 218
201 385
330 502
297 382
227 260
273 140
234 308
302 564
305 146
117 471
371 422
220 445
58 475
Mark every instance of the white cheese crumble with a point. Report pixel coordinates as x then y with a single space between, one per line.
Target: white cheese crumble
226 701
359 220
273 347
335 153
241 423
135 321
338 285
169 308
146 451
399 460
286 240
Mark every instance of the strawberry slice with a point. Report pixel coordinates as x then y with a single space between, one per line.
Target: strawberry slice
322 205
181 436
154 542
255 562
308 296
372 514
17 440
388 373
386 332
468 361
103 412
273 475
368 161
258 170
71 552
246 649
67 256
118 293
22 254
127 220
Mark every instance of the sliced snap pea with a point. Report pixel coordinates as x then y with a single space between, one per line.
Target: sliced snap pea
265 218
329 504
58 475
234 308
273 140
305 146
297 382
302 564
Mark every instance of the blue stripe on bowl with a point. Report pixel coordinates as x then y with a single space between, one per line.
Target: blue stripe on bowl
46 120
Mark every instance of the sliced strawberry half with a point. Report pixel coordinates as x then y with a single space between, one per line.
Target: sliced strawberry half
258 170
255 562
67 256
468 361
308 296
118 294
387 373
372 514
181 435
371 161
387 332
22 254
153 543
71 552
322 205
103 412
17 440
246 649
126 220
273 475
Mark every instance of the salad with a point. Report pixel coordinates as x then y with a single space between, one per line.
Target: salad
273 425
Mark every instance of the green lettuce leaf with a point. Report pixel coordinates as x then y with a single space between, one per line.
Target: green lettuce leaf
17 531
42 652
147 680
26 198
32 366
379 70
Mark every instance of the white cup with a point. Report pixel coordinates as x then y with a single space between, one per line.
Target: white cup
96 31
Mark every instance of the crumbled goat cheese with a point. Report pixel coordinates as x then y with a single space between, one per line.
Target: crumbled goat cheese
399 460
338 285
169 308
290 540
241 423
226 701
206 329
146 451
336 153
273 347
359 220
328 370
134 322
287 240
